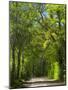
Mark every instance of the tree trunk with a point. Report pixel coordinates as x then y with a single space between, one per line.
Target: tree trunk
61 71
13 67
22 63
18 68
33 70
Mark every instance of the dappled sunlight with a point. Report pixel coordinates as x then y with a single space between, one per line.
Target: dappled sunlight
37 44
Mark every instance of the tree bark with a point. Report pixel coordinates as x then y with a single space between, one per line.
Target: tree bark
12 77
22 63
18 67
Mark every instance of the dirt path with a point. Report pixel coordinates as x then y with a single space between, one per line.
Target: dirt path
40 82
40 79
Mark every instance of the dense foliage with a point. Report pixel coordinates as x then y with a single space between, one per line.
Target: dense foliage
37 41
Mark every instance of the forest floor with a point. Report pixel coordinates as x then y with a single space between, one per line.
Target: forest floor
42 82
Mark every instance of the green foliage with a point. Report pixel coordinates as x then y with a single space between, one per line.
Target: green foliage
56 71
37 41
